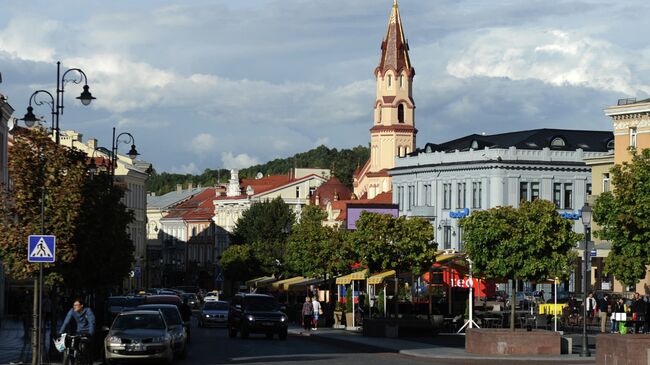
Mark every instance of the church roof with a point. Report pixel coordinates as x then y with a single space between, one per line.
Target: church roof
327 191
394 48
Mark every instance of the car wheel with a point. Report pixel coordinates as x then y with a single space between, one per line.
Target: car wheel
232 332
283 335
243 333
269 335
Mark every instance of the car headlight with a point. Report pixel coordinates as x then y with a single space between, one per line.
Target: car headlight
283 318
206 315
250 318
114 340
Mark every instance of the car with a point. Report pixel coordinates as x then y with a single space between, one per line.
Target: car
114 306
175 323
137 336
214 313
211 296
186 312
191 300
256 313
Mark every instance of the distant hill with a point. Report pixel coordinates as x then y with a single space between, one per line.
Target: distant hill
343 162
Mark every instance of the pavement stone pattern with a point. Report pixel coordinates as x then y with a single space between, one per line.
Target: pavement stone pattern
15 348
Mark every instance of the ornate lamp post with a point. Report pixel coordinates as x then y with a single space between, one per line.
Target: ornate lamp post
586 222
56 103
133 153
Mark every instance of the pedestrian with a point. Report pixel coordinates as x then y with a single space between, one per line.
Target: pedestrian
317 310
26 314
638 308
618 314
591 306
647 315
307 313
603 309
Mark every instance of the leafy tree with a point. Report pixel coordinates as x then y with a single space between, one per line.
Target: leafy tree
265 227
239 263
624 218
531 242
37 165
314 250
384 242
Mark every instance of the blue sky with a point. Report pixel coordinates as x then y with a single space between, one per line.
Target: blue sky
226 84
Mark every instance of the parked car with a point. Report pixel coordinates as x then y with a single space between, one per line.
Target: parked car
175 324
214 313
114 306
256 313
211 296
191 300
139 335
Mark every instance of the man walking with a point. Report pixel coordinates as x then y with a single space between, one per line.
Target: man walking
638 312
603 310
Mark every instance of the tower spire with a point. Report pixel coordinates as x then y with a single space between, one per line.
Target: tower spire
394 48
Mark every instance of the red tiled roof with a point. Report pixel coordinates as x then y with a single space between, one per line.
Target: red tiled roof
326 192
198 207
383 198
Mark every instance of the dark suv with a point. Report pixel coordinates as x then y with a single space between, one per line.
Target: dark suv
256 313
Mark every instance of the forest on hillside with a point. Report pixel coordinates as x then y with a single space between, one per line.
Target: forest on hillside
343 163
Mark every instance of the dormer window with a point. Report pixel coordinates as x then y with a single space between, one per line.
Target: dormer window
610 144
474 145
558 142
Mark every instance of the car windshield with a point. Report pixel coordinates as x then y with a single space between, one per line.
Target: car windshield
116 302
139 321
189 296
172 316
260 304
219 306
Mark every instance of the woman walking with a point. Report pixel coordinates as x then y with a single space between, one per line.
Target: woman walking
307 314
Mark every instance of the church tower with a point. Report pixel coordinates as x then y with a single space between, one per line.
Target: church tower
393 132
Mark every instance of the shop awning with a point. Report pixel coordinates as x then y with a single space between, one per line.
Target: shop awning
379 278
445 257
261 280
347 279
304 284
284 284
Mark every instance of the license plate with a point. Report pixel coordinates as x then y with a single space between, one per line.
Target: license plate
268 324
138 347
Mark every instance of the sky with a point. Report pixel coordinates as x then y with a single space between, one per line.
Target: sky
228 84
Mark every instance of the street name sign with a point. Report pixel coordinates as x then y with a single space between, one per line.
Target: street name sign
41 248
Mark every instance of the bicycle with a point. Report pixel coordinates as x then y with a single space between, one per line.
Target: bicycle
77 350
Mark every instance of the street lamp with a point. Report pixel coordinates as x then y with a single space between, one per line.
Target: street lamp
133 153
586 222
56 103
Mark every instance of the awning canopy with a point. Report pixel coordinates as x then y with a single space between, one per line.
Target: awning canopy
261 280
304 284
379 278
347 279
284 284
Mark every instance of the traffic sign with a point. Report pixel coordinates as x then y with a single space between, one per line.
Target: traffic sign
137 271
41 248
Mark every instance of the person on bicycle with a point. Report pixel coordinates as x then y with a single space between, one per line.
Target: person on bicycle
83 317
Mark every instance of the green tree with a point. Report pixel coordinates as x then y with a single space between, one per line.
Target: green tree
624 218
401 244
314 250
265 226
531 242
37 165
239 263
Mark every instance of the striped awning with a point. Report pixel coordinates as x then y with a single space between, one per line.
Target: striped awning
347 279
284 284
379 278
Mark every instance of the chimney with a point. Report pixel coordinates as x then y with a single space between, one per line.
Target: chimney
92 143
336 195
179 188
317 199
190 186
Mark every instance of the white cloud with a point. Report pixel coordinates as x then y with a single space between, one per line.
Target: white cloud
189 168
29 38
555 57
230 161
203 144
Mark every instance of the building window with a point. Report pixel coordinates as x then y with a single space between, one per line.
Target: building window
568 196
534 191
633 137
558 142
477 190
528 191
460 201
447 237
605 182
563 195
297 191
400 197
193 231
390 80
557 195
411 197
588 191
427 194
461 242
523 191
446 201
401 81
400 113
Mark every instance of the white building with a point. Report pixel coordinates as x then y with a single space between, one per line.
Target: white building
448 181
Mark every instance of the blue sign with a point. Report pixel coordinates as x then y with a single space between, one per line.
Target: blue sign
41 248
460 214
593 253
137 271
571 215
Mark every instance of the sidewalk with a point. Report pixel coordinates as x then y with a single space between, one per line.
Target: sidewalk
442 346
14 347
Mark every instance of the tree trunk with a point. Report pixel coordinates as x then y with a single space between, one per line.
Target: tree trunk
513 298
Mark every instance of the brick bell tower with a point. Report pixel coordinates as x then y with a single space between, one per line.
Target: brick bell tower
393 132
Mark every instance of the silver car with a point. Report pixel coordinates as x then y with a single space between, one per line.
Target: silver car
214 313
175 325
139 335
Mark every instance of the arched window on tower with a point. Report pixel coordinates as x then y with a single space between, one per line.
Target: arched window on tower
400 151
400 113
390 80
401 81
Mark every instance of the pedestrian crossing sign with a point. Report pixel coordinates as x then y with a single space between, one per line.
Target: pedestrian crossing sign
41 248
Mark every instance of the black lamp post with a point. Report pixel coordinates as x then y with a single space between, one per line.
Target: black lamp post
133 153
56 103
586 222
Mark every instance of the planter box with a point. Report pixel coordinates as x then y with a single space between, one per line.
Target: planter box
502 341
338 319
616 349
348 321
